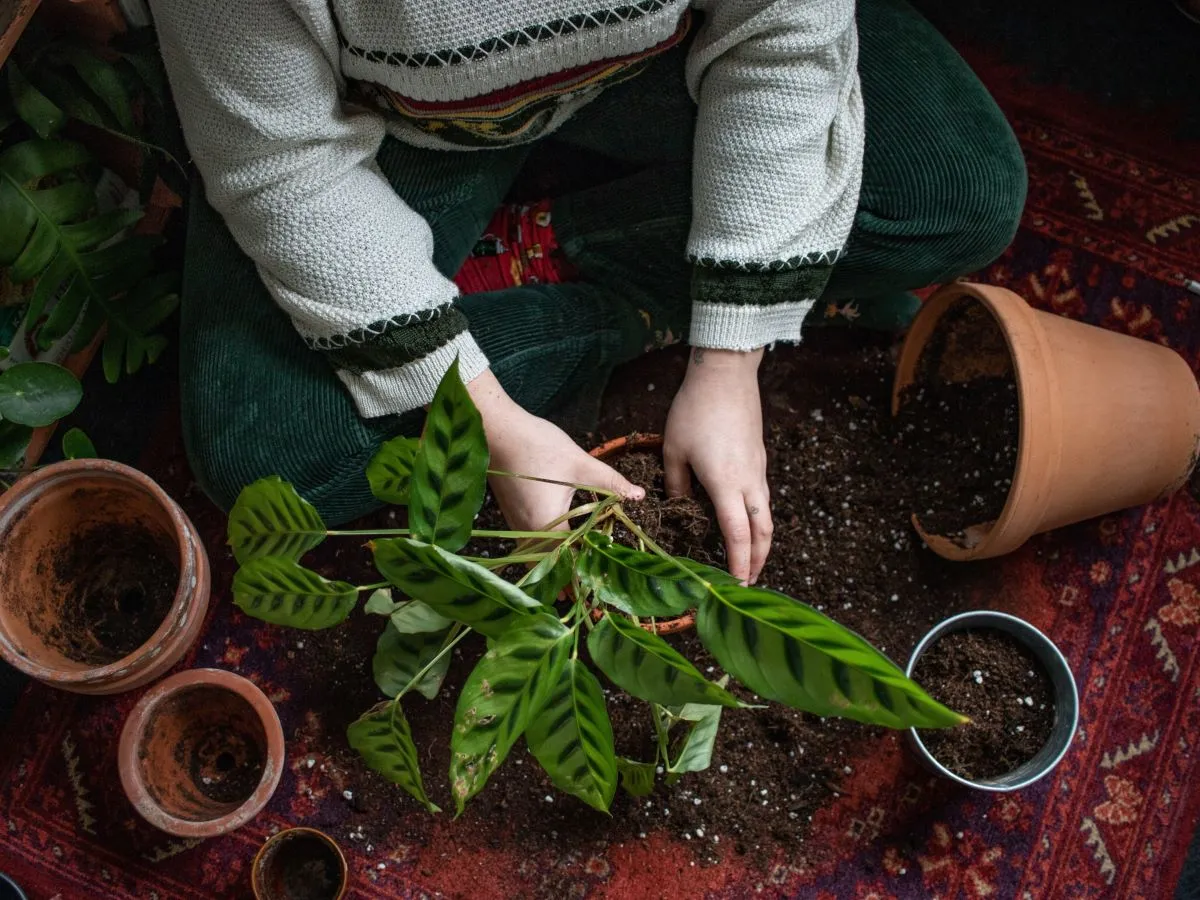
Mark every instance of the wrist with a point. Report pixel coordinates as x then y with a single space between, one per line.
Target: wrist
705 363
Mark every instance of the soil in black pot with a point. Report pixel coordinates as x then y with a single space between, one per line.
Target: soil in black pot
1001 686
121 583
959 423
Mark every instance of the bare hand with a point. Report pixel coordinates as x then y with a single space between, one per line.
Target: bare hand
527 445
715 430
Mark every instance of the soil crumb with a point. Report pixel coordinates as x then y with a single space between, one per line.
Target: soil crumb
1002 687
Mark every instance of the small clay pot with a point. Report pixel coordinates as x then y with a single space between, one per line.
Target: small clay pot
608 451
10 890
300 864
75 540
1107 421
1066 699
201 753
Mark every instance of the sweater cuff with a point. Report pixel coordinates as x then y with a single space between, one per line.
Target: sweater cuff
384 392
744 308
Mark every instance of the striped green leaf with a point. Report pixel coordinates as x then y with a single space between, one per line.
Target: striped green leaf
695 751
572 738
390 471
642 584
271 519
786 651
400 657
637 778
503 694
646 666
454 587
384 740
550 576
449 473
279 590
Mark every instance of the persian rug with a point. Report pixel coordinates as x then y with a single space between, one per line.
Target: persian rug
1111 231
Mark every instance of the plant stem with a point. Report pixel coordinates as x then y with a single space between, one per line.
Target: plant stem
406 532
661 733
457 633
500 562
375 587
591 489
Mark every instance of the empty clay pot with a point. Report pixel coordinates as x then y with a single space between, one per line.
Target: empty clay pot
1107 421
201 753
646 443
103 580
300 864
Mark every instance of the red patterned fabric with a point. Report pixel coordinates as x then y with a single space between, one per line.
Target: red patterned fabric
1112 226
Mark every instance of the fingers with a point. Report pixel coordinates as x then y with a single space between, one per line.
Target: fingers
735 526
758 510
602 475
676 474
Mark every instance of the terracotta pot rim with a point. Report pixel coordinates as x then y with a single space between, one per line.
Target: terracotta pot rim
134 728
1039 428
643 441
18 499
279 837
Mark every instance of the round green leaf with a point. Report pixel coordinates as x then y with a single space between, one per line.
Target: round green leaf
77 445
37 393
14 440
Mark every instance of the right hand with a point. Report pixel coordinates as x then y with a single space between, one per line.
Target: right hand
525 444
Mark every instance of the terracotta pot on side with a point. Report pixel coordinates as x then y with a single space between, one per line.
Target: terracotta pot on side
201 753
650 443
299 856
1107 421
64 506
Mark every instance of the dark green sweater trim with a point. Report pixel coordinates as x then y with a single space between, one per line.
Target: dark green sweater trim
392 343
758 288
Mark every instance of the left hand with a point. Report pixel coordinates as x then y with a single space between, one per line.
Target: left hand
715 430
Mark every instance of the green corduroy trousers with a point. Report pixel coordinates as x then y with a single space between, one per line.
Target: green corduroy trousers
943 189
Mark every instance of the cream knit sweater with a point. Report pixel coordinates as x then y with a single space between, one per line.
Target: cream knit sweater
264 91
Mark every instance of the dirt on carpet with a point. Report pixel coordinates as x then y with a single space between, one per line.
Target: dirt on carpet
843 543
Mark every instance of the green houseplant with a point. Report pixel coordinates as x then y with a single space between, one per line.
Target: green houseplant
578 588
70 264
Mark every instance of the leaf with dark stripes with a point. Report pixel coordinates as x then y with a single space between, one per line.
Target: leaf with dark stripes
271 519
643 584
384 740
503 694
400 656
389 472
279 590
572 738
695 751
550 576
646 666
637 778
454 587
786 651
449 473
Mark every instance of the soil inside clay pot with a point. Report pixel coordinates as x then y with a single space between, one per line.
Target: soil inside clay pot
120 583
959 423
682 526
1001 686
843 543
302 867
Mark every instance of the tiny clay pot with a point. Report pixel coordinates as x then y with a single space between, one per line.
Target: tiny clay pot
651 443
201 753
1107 421
300 864
48 522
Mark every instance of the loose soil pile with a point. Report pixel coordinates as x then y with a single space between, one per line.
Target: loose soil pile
843 543
120 584
1002 687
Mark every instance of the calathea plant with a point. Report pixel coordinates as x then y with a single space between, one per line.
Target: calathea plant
577 588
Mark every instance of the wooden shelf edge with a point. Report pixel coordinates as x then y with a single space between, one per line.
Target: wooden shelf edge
23 12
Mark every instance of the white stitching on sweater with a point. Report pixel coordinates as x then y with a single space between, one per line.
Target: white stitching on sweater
375 329
529 34
815 258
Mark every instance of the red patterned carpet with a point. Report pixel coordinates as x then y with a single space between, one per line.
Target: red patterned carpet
1112 225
